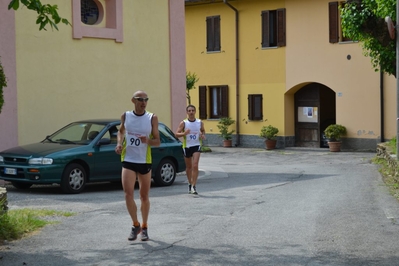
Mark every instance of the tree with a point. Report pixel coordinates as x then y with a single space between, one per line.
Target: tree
191 79
364 21
47 15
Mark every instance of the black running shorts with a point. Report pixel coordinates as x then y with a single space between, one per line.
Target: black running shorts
188 152
142 168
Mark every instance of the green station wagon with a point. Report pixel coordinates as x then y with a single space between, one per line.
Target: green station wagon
84 152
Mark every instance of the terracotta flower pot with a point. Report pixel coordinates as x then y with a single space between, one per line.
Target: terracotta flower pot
227 143
270 144
335 146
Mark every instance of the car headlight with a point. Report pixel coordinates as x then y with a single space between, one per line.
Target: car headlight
40 161
1 159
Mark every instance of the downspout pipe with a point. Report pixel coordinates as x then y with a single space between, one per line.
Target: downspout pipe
397 81
382 104
237 76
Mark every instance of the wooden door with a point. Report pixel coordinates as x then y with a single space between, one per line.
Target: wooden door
314 108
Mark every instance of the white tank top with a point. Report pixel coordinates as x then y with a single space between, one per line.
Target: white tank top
192 139
134 151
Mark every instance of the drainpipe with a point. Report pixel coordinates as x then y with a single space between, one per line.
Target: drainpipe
397 80
382 104
237 72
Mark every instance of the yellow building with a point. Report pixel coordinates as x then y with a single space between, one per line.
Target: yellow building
283 63
92 68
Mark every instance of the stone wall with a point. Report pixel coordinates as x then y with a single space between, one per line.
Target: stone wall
384 152
254 141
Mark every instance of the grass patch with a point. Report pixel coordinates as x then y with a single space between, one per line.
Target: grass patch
389 175
14 224
205 149
392 145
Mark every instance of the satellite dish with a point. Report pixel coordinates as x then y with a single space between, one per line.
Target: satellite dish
391 27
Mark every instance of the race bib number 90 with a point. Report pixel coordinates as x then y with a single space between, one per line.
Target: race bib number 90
193 135
134 142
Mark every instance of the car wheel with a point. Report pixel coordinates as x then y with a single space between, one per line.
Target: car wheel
21 185
73 179
166 173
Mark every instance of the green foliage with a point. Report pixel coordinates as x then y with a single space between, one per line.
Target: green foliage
191 79
364 21
205 149
269 132
47 14
335 132
14 224
3 83
224 125
389 173
3 205
392 145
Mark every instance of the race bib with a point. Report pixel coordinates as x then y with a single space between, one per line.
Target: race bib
133 139
193 135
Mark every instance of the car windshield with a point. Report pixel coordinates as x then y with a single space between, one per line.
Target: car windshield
166 134
76 133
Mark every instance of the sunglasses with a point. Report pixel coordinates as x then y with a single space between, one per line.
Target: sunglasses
140 99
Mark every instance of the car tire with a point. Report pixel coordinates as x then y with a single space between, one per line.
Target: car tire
166 173
73 179
21 185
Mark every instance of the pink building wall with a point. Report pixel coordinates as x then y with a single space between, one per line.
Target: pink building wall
177 61
9 113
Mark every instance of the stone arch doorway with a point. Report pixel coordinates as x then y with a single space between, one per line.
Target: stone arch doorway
314 111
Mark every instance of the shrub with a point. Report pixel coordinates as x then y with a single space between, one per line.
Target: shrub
269 132
335 132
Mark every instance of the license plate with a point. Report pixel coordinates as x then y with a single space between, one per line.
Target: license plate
10 171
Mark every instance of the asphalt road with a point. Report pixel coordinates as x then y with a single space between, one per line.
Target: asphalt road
256 207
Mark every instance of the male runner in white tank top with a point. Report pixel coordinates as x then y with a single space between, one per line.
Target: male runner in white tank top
137 133
193 132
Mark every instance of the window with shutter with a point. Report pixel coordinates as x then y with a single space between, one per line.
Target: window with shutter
213 34
273 28
218 101
255 107
335 25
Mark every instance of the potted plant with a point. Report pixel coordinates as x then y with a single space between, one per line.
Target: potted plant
225 132
334 133
270 134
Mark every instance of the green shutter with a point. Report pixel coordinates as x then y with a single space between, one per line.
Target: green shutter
202 102
225 101
265 29
281 39
333 22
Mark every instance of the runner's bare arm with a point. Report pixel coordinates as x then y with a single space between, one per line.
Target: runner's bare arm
202 130
180 130
155 141
121 135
